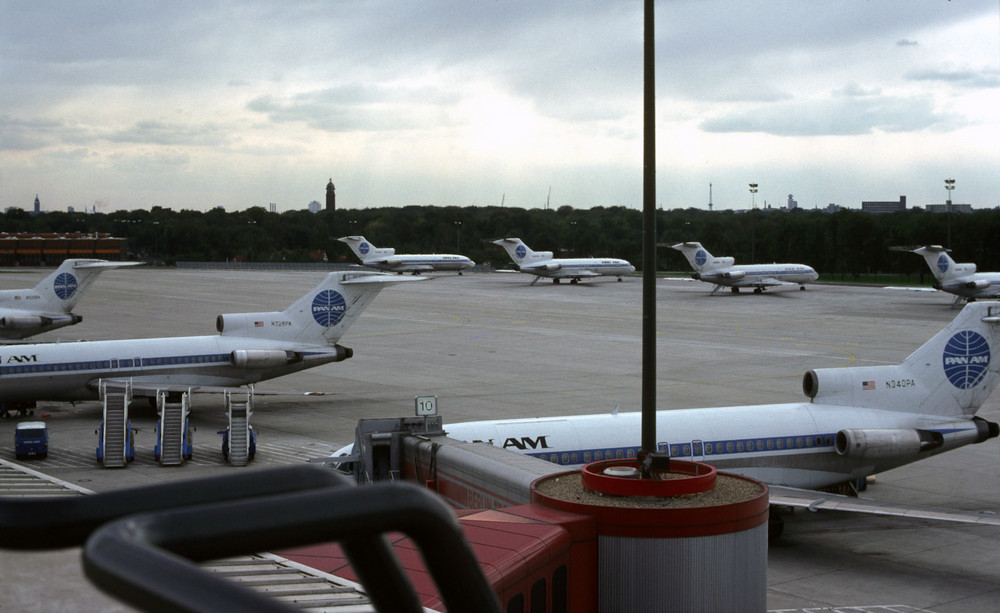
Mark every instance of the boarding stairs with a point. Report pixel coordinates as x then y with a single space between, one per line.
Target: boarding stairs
172 429
239 411
115 427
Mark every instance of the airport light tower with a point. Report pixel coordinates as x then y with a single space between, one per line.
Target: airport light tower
753 195
949 184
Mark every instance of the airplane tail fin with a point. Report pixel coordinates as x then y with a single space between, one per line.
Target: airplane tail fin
938 260
699 257
515 248
364 249
61 290
951 375
321 317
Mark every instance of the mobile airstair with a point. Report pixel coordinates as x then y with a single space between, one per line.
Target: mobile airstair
115 445
239 443
173 432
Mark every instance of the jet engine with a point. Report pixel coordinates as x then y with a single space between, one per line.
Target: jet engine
883 443
264 358
550 267
977 284
34 322
23 322
734 275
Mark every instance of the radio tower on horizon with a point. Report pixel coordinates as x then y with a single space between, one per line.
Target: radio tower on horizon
709 196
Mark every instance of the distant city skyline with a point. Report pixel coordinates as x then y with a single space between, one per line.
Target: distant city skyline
112 107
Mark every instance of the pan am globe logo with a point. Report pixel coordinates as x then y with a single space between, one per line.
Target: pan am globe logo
65 286
966 359
520 251
364 248
701 257
328 308
942 263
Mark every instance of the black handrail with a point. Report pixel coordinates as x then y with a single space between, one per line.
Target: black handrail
55 523
141 559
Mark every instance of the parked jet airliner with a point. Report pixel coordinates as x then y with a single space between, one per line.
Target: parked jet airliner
857 421
962 280
542 264
49 305
723 273
386 258
250 347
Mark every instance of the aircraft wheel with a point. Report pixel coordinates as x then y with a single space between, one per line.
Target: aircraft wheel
802 288
735 290
574 281
757 290
619 279
556 281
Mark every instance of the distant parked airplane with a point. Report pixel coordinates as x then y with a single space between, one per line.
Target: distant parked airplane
48 305
962 280
542 264
723 273
386 258
250 347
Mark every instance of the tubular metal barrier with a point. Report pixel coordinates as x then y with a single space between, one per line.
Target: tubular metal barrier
145 555
141 559
67 522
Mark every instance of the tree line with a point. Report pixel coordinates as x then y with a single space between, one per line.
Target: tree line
847 243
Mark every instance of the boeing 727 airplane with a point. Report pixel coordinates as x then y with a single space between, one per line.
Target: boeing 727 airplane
49 305
386 258
542 264
962 280
857 421
250 347
723 273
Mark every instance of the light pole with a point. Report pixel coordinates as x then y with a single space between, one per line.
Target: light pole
458 240
753 195
949 184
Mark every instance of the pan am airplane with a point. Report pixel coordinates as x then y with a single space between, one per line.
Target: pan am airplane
723 273
542 264
962 280
858 421
386 258
250 347
49 305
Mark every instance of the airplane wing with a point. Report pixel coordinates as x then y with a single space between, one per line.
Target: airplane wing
151 389
815 501
770 282
574 274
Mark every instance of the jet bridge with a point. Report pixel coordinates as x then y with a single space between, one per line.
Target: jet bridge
173 443
239 443
115 446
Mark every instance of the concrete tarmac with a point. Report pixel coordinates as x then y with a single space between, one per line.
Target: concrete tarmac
492 346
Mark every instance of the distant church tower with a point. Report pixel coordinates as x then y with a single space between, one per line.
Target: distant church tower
38 205
331 197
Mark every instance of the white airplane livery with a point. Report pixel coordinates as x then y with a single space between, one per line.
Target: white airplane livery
542 264
386 258
722 272
250 347
857 421
49 305
962 280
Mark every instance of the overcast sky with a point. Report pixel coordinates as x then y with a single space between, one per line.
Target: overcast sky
129 105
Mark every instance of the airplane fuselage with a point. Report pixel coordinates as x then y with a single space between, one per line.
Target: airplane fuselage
69 371
784 444
569 268
421 263
758 275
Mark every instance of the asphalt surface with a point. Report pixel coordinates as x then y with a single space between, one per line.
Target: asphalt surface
492 346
